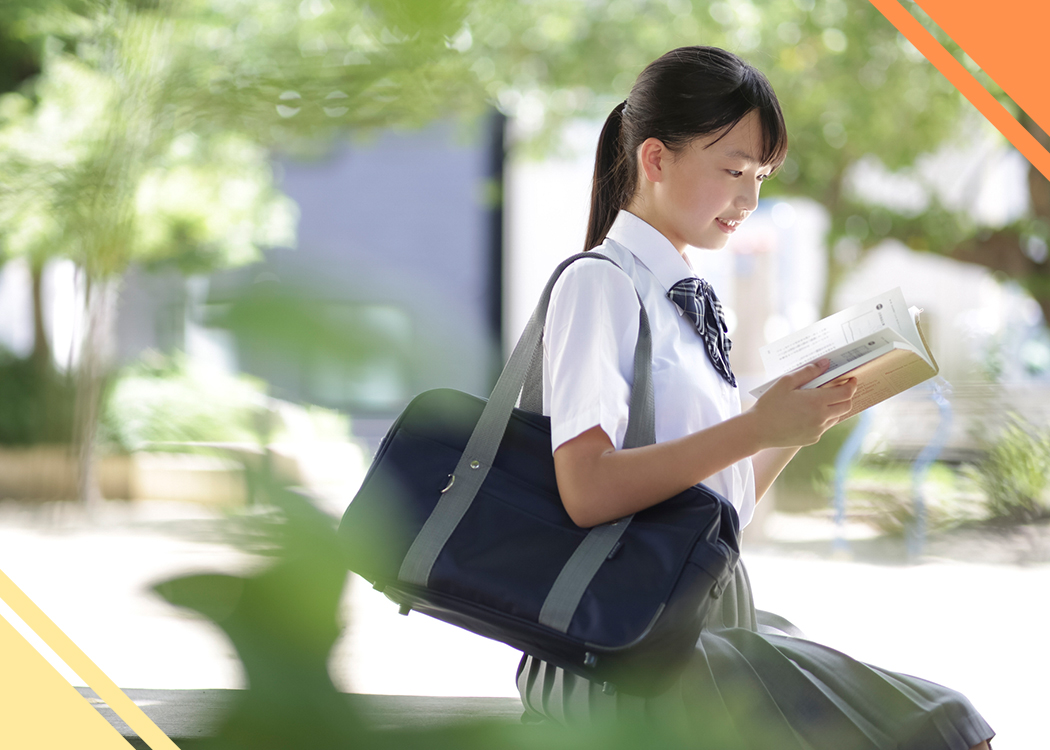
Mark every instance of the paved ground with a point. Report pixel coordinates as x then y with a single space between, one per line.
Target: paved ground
977 626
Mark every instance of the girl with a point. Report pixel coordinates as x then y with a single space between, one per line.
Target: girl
679 164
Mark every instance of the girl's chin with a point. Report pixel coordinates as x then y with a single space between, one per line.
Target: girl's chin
716 244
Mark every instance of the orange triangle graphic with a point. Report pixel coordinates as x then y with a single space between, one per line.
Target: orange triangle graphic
1005 42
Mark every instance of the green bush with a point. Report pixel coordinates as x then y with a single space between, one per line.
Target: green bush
164 400
882 494
802 486
36 406
1015 473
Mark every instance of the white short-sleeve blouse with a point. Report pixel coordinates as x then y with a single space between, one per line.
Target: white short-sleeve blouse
588 347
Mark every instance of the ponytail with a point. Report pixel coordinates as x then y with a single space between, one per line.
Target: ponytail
611 187
688 93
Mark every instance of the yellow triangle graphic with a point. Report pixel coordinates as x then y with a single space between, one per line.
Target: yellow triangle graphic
39 709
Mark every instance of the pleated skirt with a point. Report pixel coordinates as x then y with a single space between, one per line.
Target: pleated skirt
753 684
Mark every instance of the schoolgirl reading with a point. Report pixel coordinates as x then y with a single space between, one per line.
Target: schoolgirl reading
680 163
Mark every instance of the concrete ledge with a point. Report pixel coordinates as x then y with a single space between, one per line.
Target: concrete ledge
188 715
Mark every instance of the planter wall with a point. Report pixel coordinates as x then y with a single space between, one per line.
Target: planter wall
49 473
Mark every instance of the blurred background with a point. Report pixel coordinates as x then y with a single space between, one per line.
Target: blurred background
236 238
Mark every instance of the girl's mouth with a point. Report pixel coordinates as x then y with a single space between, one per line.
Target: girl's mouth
727 226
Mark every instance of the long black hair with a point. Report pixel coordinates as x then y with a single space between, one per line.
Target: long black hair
685 94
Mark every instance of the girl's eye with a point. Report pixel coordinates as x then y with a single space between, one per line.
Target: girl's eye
738 173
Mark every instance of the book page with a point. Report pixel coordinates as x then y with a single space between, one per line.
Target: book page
849 357
887 310
858 352
912 332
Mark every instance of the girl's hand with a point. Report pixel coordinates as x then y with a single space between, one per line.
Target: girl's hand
788 416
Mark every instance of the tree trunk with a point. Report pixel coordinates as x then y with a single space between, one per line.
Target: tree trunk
836 269
41 356
95 358
1039 195
1002 250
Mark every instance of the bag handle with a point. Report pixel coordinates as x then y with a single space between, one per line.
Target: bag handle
474 464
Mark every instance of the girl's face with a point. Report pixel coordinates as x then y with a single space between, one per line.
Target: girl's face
701 194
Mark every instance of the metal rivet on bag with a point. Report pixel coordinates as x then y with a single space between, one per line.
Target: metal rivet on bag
589 659
475 464
608 688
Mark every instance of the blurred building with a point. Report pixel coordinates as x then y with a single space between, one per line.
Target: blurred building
399 242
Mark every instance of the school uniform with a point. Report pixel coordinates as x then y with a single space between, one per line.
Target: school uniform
747 685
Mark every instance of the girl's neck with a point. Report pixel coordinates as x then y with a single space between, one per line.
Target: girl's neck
645 210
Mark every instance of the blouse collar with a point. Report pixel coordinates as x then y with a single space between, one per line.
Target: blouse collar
651 248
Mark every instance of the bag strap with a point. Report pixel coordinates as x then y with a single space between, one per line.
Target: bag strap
474 464
640 431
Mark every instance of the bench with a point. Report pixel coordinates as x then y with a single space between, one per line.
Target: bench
189 716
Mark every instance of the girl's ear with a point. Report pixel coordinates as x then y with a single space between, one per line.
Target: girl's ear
652 157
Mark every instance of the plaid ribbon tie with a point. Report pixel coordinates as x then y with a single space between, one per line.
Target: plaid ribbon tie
695 298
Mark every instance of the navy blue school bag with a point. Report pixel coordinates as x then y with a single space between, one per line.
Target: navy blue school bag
459 518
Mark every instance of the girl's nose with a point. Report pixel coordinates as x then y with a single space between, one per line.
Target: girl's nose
747 199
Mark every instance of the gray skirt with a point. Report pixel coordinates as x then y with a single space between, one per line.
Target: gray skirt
753 684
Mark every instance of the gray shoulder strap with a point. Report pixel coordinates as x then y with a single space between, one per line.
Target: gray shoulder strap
481 449
640 430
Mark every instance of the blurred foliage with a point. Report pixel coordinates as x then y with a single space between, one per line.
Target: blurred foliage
283 622
147 134
1015 473
19 61
290 321
84 181
882 495
802 485
848 83
852 89
35 408
164 400
149 83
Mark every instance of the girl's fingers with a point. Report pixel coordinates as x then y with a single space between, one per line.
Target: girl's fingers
799 377
842 393
841 410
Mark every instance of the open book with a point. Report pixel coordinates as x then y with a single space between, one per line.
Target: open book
878 342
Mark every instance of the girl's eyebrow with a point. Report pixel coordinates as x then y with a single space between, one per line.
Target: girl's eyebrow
738 154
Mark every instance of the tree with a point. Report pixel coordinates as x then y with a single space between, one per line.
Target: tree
146 135
851 86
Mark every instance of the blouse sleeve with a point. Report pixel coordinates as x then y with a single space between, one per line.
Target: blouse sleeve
589 339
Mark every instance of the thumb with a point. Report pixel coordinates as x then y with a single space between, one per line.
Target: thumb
799 377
